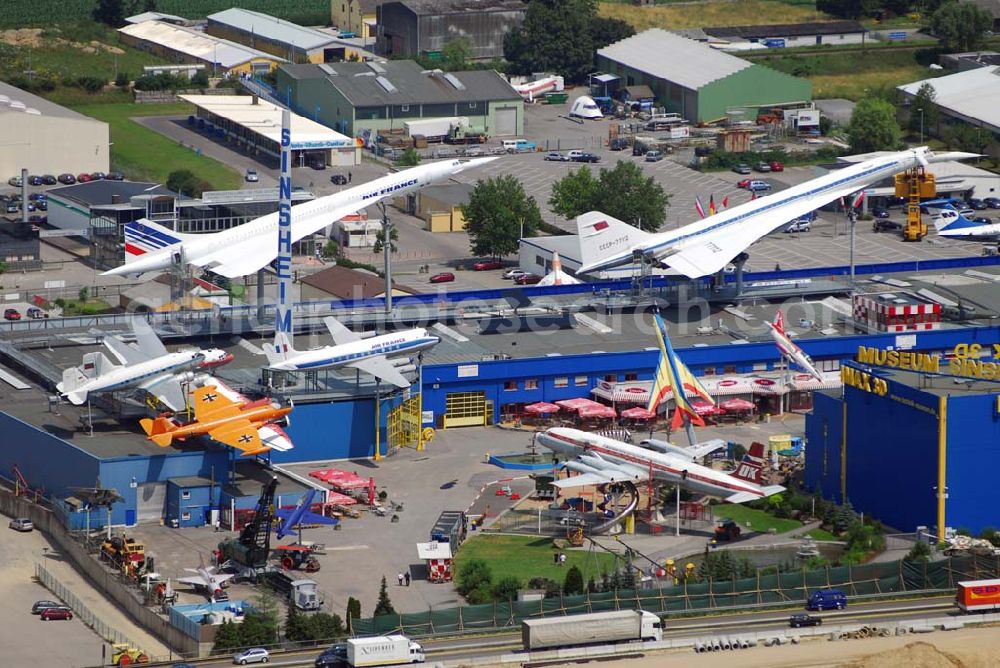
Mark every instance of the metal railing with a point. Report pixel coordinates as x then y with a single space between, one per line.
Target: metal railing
82 612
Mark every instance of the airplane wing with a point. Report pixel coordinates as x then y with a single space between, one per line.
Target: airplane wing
699 450
146 339
274 437
209 403
339 332
582 480
382 369
600 473
194 580
168 390
306 518
239 434
125 353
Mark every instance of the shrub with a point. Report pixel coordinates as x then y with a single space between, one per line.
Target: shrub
573 584
472 575
506 589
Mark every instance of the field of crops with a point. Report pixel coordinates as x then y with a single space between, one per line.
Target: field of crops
42 13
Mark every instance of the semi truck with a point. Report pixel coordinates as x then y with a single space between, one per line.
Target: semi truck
383 651
598 627
978 595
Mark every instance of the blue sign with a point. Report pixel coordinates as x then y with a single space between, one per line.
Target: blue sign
901 34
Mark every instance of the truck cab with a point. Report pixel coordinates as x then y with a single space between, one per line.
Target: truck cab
827 599
651 627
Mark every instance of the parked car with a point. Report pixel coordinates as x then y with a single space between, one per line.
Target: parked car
98 176
777 166
555 156
253 655
584 156
885 225
487 265
757 186
762 167
745 183
799 225
37 608
992 202
251 176
36 313
116 176
827 599
49 180
976 203
638 148
338 180
654 156
880 212
982 220
514 273
56 613
13 206
34 197
741 168
84 177
319 164
802 619
42 205
11 314
21 524
35 180
527 279
15 181
443 277
66 179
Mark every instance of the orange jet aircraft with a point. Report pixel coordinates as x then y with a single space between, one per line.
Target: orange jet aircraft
224 420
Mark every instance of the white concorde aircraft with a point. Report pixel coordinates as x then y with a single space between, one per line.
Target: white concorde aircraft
706 246
242 250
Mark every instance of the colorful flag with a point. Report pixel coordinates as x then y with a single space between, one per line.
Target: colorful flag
725 202
711 205
698 207
673 375
753 195
859 200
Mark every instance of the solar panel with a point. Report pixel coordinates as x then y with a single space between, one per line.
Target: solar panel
386 84
453 80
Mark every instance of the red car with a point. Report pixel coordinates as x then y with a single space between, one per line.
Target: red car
777 166
487 265
743 184
84 178
11 314
527 279
443 277
56 613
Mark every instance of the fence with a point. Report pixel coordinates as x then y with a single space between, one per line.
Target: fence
82 612
882 579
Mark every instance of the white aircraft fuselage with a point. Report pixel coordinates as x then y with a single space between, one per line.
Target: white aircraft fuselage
793 352
665 468
397 344
132 376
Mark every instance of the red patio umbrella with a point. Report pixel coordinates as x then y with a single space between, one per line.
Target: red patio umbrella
540 408
638 413
598 411
737 405
703 408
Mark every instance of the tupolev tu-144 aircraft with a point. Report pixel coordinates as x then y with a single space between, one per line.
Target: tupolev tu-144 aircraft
706 246
242 250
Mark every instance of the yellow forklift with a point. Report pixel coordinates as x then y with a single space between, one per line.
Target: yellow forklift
915 184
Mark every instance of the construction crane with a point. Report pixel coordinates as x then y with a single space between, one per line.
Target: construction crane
253 547
915 184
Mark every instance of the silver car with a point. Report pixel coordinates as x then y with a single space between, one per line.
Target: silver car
252 655
21 524
251 176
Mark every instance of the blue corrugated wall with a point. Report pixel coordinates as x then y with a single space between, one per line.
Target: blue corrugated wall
973 462
823 440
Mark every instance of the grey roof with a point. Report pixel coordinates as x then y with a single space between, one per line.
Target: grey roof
450 193
196 43
787 29
690 64
156 16
425 7
413 85
97 193
192 481
32 101
272 28
973 94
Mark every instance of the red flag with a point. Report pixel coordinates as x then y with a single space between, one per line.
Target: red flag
725 202
859 200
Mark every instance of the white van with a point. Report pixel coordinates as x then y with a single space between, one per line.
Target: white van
518 145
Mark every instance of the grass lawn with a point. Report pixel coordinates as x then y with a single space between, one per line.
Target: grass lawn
759 520
90 307
526 557
820 534
701 14
142 154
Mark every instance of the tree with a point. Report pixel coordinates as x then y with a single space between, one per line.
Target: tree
472 574
573 584
322 626
506 589
296 625
497 212
968 137
873 127
258 630
608 31
920 552
111 12
848 9
961 26
185 182
200 79
456 53
924 112
410 158
353 611
384 605
555 36
330 250
227 637
149 5
380 240
624 192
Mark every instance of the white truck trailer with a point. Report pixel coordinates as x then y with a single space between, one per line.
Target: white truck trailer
595 628
383 651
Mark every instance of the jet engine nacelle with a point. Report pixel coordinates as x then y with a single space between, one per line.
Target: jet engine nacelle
185 376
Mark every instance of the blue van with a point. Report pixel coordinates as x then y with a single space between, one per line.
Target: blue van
827 599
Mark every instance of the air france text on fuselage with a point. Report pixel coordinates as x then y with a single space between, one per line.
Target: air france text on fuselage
392 188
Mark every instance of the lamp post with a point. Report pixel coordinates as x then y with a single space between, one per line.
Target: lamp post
921 110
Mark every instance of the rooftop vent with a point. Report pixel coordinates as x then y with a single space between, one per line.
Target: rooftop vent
453 80
386 84
376 67
329 70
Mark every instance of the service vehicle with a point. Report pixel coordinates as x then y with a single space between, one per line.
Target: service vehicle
252 655
599 627
519 145
39 606
827 599
978 596
886 225
618 144
383 651
802 619
21 524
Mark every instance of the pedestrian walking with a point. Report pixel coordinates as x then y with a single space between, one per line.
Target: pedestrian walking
349 176
407 578
555 558
399 577
562 558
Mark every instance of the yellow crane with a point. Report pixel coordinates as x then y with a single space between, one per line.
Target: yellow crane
915 184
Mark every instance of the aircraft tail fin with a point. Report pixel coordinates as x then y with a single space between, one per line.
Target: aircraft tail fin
159 430
279 351
755 455
73 378
144 236
602 235
947 218
748 471
779 322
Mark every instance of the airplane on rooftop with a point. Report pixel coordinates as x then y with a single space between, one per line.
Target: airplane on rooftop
242 250
789 349
706 246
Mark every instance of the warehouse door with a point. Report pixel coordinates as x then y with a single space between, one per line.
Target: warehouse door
465 409
506 121
151 499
